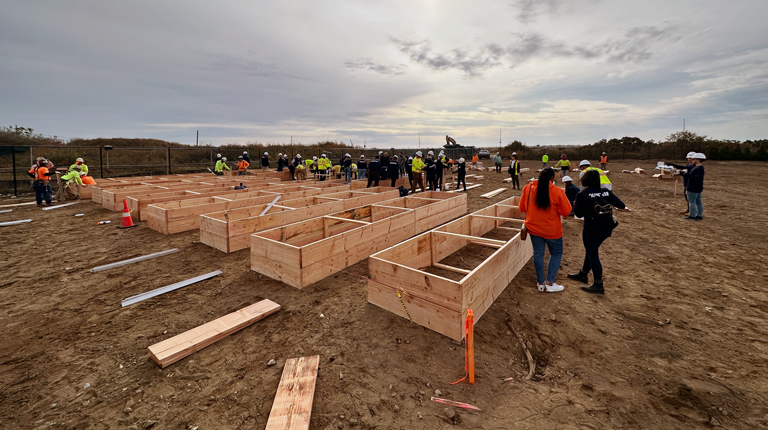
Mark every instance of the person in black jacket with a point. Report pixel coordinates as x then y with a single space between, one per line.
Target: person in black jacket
265 161
594 204
570 191
394 170
431 171
695 177
514 171
462 173
374 170
439 170
409 170
246 157
280 164
361 167
687 167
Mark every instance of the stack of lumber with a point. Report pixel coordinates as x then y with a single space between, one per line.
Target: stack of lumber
185 344
439 303
292 407
303 253
230 231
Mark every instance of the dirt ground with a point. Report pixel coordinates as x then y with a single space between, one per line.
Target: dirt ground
678 341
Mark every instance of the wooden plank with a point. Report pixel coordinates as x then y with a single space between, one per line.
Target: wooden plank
162 290
6 211
269 206
451 268
493 193
185 344
134 260
59 206
292 407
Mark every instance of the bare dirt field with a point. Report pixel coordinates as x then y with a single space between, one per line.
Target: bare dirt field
679 340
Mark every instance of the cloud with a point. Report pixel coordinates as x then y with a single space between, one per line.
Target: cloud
370 65
421 52
250 67
529 10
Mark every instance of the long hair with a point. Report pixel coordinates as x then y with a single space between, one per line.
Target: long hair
542 190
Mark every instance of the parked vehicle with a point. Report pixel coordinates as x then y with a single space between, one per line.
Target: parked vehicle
484 153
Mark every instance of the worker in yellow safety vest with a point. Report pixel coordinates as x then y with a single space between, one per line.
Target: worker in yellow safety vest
417 167
81 164
221 165
604 181
309 162
323 166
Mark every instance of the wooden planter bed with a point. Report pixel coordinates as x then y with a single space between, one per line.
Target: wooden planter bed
362 183
230 231
112 199
303 253
464 264
182 215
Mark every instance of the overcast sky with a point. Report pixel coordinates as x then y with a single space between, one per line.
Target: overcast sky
541 71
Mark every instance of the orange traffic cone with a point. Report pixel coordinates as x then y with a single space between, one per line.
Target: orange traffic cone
127 221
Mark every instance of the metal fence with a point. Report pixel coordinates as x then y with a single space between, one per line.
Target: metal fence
104 162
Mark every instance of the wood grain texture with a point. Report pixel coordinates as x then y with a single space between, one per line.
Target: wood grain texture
292 407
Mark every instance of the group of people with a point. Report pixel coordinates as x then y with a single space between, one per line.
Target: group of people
544 204
43 171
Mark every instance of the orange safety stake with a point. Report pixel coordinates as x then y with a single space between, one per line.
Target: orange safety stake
470 345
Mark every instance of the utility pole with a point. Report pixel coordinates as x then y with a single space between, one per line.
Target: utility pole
683 124
499 140
197 139
419 140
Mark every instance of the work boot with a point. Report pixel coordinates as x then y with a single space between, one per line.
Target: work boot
581 277
595 288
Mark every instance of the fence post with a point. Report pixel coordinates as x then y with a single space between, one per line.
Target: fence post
13 158
101 162
168 157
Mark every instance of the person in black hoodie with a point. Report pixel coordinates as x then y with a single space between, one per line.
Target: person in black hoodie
439 170
409 170
394 170
265 161
695 177
361 167
687 167
431 171
374 169
594 204
462 171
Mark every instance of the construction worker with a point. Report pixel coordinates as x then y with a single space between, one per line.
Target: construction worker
544 161
301 172
695 186
73 176
604 161
570 191
246 157
221 165
687 167
439 169
497 162
565 166
585 165
81 164
323 167
241 186
514 171
242 165
362 166
312 166
431 171
394 170
462 173
409 170
475 159
346 165
418 166
374 172
42 177
265 161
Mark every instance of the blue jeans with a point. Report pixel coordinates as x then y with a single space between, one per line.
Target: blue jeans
555 255
347 174
360 173
694 204
42 192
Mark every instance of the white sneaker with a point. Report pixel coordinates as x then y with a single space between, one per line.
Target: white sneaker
554 288
541 287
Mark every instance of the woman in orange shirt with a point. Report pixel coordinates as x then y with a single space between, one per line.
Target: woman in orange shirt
543 204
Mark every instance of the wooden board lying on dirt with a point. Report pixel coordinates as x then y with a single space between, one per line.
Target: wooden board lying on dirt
440 303
303 253
229 231
493 193
185 344
177 216
292 407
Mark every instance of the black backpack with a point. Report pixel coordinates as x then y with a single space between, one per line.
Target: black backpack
403 191
602 212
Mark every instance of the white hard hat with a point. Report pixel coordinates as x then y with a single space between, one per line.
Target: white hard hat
298 155
603 153
279 153
690 155
394 157
245 152
347 155
314 158
585 163
461 160
699 156
223 158
381 152
497 153
418 153
430 153
266 153
514 153
323 155
80 160
362 156
567 179
442 153
82 173
410 158
218 155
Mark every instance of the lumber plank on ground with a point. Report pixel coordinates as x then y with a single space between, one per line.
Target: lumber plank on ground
162 290
292 407
493 193
59 206
185 344
133 260
9 223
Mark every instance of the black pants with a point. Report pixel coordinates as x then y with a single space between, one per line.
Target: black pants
432 182
42 192
440 180
410 178
498 168
322 173
462 180
373 178
394 180
515 181
292 168
592 244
